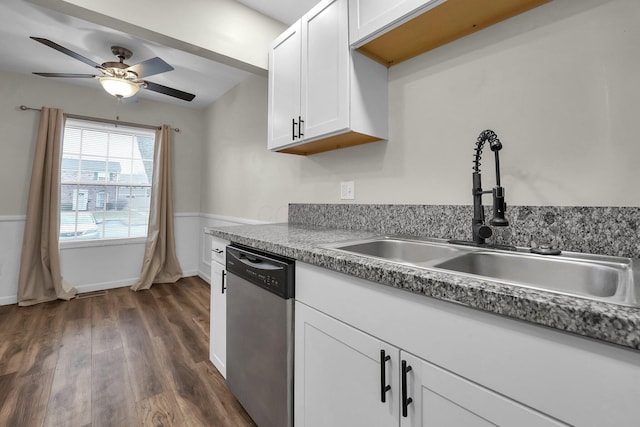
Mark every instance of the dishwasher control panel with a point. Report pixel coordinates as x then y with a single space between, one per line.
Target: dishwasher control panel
271 272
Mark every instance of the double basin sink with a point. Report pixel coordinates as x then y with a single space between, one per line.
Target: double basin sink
601 278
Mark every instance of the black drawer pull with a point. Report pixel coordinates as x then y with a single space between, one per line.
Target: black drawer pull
406 401
384 387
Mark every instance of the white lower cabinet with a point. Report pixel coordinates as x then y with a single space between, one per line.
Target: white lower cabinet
338 374
467 367
345 377
218 319
436 397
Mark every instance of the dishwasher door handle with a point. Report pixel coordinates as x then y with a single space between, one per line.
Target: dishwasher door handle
258 263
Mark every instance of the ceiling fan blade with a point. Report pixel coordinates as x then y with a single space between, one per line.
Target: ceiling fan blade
150 67
68 52
76 76
168 91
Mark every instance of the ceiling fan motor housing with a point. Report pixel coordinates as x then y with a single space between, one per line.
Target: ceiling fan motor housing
121 53
119 69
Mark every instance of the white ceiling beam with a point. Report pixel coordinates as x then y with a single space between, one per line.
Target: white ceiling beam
222 30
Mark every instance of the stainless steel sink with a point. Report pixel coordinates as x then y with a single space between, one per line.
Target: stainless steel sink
603 278
414 252
548 273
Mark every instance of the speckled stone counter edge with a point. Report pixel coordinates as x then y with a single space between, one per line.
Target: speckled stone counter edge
606 322
596 230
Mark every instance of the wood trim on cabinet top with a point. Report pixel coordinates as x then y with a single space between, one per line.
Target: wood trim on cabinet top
443 24
344 140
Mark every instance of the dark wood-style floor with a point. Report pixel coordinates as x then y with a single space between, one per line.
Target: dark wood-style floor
119 359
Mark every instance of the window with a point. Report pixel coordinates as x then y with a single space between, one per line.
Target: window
106 175
100 199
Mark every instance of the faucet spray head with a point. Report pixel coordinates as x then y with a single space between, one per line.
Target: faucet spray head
499 208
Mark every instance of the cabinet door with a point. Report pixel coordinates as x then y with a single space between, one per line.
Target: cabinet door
218 327
325 69
338 374
284 88
369 17
441 398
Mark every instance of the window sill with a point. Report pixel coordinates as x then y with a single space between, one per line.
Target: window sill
72 244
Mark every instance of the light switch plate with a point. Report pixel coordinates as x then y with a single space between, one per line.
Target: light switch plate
347 190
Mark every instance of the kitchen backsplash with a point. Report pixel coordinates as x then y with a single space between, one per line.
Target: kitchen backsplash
596 230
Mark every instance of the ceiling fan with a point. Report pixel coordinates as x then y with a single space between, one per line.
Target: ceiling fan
118 78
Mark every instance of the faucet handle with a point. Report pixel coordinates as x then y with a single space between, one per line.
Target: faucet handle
484 231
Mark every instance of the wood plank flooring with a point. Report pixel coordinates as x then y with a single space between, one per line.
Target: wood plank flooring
119 358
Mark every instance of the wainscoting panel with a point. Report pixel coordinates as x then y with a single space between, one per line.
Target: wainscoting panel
91 266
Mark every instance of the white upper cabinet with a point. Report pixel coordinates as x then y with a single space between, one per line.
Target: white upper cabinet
393 31
285 66
325 70
369 18
323 95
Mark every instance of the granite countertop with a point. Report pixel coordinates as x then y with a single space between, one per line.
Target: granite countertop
599 320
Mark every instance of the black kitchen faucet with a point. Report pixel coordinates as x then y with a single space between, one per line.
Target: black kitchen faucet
480 230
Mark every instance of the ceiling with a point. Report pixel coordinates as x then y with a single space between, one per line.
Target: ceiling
286 11
206 78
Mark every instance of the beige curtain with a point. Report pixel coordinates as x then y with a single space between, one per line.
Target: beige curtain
40 278
160 264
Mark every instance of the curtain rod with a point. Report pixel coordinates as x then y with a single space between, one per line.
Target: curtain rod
97 119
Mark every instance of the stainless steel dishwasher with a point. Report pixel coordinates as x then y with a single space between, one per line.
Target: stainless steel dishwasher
260 291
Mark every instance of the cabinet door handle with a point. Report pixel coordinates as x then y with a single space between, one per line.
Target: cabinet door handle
224 275
293 129
300 122
384 387
218 251
406 401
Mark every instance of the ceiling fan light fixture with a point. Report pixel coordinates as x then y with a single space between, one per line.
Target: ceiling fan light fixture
119 87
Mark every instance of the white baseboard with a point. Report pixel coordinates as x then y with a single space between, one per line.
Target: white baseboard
205 276
195 248
189 273
92 287
121 283
12 299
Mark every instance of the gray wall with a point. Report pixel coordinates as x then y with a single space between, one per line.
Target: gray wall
559 84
